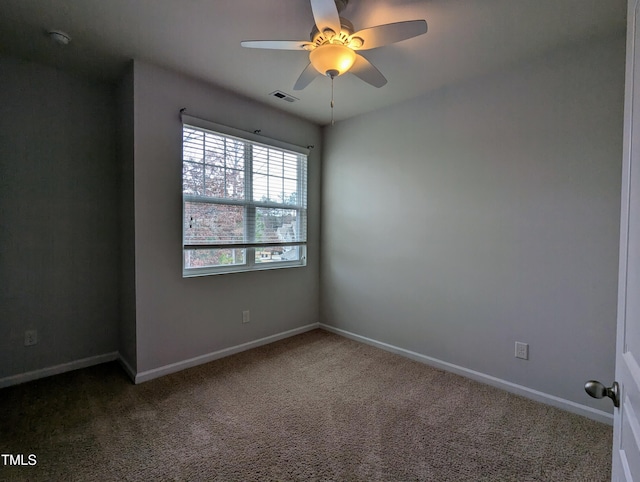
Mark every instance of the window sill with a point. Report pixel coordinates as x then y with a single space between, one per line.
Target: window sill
199 272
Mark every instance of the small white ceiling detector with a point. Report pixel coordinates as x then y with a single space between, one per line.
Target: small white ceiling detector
59 37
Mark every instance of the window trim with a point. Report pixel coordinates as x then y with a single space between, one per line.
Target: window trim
249 263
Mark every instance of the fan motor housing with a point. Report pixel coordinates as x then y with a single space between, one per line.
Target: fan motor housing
341 4
346 30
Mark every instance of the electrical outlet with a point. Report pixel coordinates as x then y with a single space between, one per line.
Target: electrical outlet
246 316
522 350
30 337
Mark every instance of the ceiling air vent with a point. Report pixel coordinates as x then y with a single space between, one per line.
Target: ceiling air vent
281 95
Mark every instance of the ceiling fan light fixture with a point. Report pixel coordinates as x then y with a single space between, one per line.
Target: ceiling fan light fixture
331 58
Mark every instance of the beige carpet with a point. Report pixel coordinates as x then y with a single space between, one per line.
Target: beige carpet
313 407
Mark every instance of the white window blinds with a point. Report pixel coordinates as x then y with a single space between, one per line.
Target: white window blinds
244 202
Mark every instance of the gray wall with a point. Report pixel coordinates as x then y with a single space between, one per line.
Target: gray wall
58 217
485 213
180 318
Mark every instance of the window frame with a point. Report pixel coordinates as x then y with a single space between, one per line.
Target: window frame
250 140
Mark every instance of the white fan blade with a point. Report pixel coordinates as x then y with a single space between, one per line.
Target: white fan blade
277 44
325 14
363 69
306 77
374 37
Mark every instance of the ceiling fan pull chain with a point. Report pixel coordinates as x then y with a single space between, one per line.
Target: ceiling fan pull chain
331 100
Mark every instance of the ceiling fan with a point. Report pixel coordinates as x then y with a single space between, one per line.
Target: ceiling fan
333 44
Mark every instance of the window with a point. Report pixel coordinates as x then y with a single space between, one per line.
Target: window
244 202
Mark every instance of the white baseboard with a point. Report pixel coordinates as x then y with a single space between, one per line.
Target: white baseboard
126 366
199 360
568 405
536 395
57 369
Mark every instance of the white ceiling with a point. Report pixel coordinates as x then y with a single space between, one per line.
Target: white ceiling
201 38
